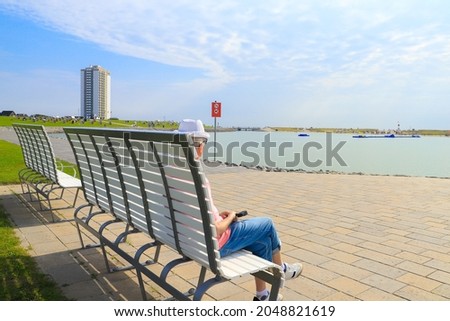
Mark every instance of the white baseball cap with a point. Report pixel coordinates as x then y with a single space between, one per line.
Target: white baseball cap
193 127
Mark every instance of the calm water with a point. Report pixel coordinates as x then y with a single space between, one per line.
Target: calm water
425 156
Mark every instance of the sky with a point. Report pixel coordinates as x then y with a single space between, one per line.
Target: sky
291 63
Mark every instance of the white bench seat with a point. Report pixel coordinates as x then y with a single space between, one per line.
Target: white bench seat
67 181
242 263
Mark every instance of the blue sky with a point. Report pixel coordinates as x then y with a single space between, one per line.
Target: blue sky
336 63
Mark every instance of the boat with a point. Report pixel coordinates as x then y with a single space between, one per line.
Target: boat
392 135
387 136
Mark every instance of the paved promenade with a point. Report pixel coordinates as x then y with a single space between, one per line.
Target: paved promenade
359 238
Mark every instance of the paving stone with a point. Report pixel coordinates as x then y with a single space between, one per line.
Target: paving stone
443 290
416 268
415 294
375 294
380 268
383 283
348 286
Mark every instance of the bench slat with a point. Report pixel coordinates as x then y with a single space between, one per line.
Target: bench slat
243 263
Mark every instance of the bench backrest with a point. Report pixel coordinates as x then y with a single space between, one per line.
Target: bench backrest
111 185
92 174
153 181
37 150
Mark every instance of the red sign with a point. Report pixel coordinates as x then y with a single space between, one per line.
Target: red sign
216 109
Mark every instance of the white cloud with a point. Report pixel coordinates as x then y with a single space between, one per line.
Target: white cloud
308 47
228 38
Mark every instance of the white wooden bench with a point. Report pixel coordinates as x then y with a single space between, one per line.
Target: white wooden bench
153 183
42 172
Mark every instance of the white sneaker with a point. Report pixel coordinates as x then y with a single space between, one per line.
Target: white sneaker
292 271
266 298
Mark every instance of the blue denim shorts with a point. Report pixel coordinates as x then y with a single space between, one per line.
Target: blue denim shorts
257 235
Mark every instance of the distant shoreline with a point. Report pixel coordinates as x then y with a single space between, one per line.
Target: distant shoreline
56 125
362 131
354 131
444 133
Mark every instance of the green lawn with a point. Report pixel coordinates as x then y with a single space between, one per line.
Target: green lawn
8 121
11 161
20 277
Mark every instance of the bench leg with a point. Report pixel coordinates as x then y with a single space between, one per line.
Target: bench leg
172 264
22 173
46 195
76 197
115 244
34 183
141 285
46 190
201 289
141 251
275 278
177 295
77 219
201 277
169 266
137 258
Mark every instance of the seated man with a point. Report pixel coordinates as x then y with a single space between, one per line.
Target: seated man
257 235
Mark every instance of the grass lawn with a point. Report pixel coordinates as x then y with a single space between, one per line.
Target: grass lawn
168 125
20 277
11 161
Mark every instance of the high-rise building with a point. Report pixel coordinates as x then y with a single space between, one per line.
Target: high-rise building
95 93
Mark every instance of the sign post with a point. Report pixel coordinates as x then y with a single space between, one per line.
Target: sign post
216 111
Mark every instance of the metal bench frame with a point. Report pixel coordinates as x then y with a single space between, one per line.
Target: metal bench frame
153 183
43 174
